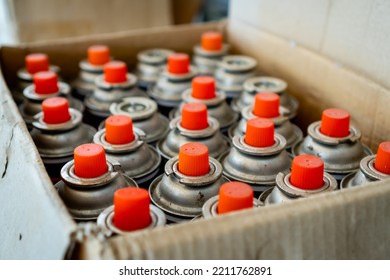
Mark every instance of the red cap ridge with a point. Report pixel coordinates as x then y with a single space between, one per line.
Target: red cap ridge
36 62
382 161
98 55
131 209
90 161
55 110
307 172
178 63
234 196
266 105
260 133
194 159
119 130
115 72
212 41
335 123
45 82
194 116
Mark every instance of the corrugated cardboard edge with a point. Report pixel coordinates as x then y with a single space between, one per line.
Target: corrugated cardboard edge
34 222
350 224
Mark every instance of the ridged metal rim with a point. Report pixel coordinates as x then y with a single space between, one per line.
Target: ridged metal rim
368 169
283 183
202 133
180 77
75 120
90 68
247 113
198 50
103 85
279 85
145 57
209 209
314 131
150 107
29 92
100 138
218 99
228 65
26 76
105 221
278 146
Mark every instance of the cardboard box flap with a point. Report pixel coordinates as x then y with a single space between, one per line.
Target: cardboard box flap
34 222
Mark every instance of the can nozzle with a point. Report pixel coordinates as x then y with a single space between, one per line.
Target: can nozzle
45 82
212 41
266 105
55 110
119 130
90 161
382 161
234 196
131 209
194 116
335 123
115 72
98 55
178 63
260 133
36 62
307 172
194 159
203 87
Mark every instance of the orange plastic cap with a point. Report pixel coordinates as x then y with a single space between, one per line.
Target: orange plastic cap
194 159
234 196
37 62
178 63
260 133
203 87
115 72
98 55
90 161
131 209
266 105
382 161
45 82
55 110
212 41
307 172
335 123
194 116
119 130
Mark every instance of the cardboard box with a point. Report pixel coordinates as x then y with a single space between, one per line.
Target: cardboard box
348 224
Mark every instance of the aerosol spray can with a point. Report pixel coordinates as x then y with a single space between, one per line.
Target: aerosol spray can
34 63
334 141
172 82
114 85
131 212
267 105
232 71
57 131
124 144
203 91
233 196
307 178
151 64
45 85
372 168
89 182
189 181
90 69
257 85
257 157
209 52
193 126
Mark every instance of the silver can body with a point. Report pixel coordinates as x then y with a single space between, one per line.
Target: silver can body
84 84
207 61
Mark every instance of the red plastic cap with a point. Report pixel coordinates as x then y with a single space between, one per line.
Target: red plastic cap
194 159
260 133
234 196
98 55
203 87
212 41
90 161
382 161
194 116
37 62
266 105
55 110
115 72
178 63
335 123
307 172
119 130
131 209
45 82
